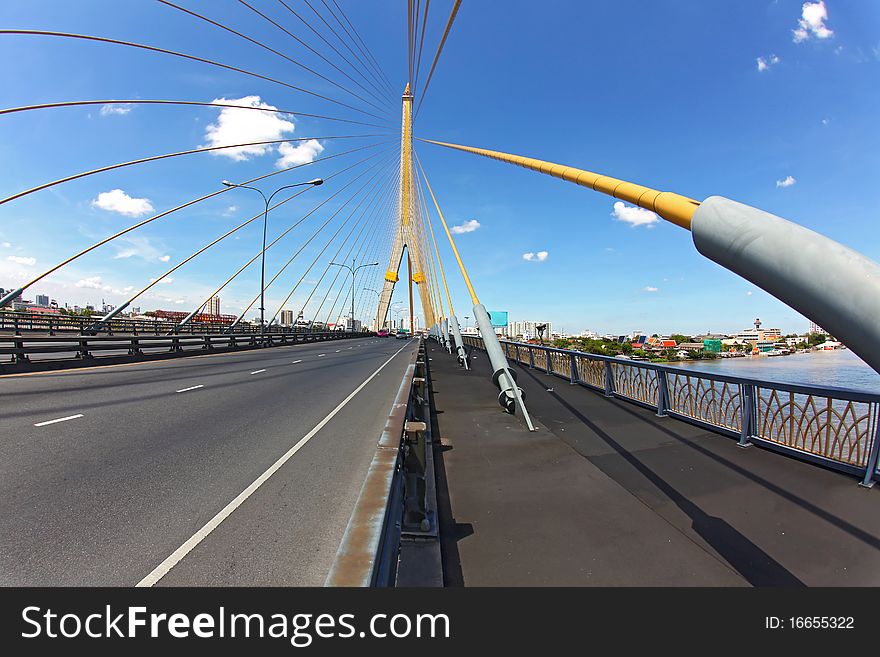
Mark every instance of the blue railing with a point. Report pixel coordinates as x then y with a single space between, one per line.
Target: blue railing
834 427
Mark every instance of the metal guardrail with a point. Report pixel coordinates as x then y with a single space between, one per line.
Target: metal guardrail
19 349
397 498
833 427
16 323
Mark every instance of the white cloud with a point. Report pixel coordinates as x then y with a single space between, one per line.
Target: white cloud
164 258
119 110
140 247
167 280
303 153
649 288
812 22
467 227
825 122
633 216
540 256
117 200
749 293
238 126
7 245
22 260
765 63
231 210
92 282
787 182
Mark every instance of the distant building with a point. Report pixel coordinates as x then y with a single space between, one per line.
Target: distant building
43 300
529 330
213 307
815 328
286 316
42 310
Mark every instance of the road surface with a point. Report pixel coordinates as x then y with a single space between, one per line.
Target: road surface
191 471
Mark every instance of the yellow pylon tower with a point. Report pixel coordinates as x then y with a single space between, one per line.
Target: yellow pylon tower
408 232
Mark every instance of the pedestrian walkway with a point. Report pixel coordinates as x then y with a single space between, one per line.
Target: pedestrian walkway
605 493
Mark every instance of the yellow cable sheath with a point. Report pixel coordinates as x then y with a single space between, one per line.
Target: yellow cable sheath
467 279
673 207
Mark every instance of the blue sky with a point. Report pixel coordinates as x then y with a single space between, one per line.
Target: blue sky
668 94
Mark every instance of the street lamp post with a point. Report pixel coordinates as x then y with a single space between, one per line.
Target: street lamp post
378 297
315 182
353 271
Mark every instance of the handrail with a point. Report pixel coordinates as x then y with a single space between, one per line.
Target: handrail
22 348
834 427
39 322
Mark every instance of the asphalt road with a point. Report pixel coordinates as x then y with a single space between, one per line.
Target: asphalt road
107 472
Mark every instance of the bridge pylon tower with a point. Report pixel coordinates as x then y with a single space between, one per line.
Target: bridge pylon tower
409 233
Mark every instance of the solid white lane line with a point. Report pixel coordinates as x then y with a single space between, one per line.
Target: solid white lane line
295 362
162 569
192 388
61 419
258 371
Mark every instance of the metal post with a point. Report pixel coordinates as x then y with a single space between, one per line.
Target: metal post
510 396
573 369
662 393
871 466
747 413
609 380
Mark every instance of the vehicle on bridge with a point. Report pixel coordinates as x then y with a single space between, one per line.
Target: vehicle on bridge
403 334
382 333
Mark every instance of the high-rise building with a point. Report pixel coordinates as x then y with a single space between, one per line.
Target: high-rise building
287 317
43 300
815 328
213 306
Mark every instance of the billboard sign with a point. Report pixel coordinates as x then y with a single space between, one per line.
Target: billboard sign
498 318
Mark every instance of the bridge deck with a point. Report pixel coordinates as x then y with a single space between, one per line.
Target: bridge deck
606 494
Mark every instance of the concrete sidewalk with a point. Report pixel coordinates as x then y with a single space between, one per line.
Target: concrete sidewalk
604 493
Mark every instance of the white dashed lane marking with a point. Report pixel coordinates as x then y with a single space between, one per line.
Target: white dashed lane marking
192 388
60 419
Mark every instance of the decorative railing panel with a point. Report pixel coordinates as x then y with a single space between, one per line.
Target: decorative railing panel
561 363
639 383
591 371
836 429
714 402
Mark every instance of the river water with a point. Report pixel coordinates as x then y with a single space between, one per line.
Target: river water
840 369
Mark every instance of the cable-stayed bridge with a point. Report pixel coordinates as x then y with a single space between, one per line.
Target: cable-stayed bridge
256 451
